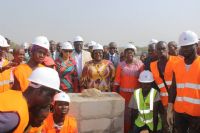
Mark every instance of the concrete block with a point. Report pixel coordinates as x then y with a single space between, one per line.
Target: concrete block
95 125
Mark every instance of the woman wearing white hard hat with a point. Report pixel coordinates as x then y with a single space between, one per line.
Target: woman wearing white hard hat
145 103
98 73
126 79
31 107
66 67
40 47
59 121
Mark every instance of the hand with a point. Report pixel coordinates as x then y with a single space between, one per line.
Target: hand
170 114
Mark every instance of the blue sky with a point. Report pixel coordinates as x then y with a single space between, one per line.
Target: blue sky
99 20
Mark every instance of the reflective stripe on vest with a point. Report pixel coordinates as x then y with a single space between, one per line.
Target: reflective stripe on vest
146 121
127 89
188 99
188 85
164 94
138 101
163 85
4 82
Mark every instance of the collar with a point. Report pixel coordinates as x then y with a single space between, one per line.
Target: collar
112 55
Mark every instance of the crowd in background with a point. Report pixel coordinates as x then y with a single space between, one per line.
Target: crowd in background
156 80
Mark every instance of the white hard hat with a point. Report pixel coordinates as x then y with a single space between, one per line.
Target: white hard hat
130 46
3 42
78 39
153 41
97 47
91 44
41 76
26 45
62 96
41 41
188 38
67 45
146 77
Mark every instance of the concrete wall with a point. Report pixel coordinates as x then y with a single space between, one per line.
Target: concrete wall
98 114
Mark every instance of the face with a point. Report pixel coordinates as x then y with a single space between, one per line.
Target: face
40 108
52 46
20 55
67 53
162 50
61 108
146 86
3 52
58 47
151 50
98 55
112 50
173 50
78 46
143 57
39 55
129 54
188 51
105 49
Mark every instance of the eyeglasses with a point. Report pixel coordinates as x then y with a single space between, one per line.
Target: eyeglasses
67 51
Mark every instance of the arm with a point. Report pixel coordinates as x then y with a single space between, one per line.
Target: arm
112 75
75 80
134 115
84 78
116 83
172 97
155 115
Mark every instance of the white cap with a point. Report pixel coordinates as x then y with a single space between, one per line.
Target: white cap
146 77
41 41
40 77
130 46
78 39
188 38
26 45
92 44
62 96
153 41
97 47
67 45
3 42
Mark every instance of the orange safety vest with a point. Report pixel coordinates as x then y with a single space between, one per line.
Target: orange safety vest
14 101
5 77
187 88
168 74
69 126
22 73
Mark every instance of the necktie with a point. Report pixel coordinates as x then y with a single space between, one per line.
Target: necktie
112 59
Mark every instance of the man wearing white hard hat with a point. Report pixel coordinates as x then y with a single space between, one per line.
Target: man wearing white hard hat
59 121
184 94
5 65
40 47
145 103
81 56
66 67
20 110
103 72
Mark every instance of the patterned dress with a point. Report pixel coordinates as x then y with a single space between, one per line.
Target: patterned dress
98 75
68 74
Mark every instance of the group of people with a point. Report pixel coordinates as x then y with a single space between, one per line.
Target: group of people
161 88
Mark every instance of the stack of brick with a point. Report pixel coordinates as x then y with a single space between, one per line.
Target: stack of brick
103 114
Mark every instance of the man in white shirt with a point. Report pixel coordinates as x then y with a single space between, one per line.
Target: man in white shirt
81 56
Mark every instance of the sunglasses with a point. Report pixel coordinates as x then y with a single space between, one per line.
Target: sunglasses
67 51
